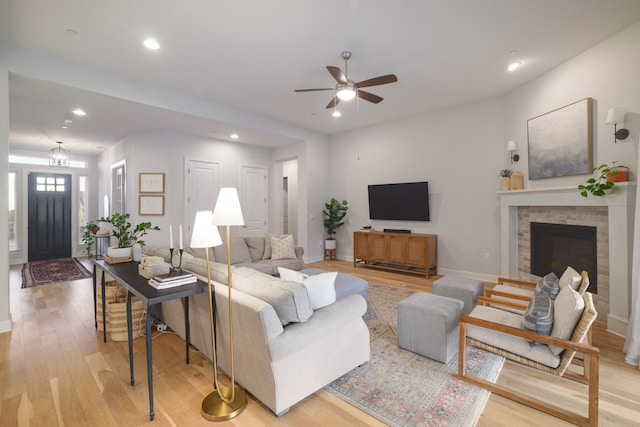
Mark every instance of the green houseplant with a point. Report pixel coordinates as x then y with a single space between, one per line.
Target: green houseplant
334 213
604 181
125 233
89 230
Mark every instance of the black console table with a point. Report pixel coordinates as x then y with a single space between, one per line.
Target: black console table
126 274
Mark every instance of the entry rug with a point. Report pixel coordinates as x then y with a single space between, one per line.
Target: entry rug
38 273
401 388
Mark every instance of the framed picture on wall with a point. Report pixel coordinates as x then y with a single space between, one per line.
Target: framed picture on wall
151 182
150 205
561 141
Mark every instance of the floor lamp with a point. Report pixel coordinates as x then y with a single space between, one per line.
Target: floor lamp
225 403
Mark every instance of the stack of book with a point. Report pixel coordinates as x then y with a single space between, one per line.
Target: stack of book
171 279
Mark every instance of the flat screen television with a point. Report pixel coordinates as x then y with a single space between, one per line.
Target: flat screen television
407 201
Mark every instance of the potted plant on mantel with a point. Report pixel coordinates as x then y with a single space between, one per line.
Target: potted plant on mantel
604 182
126 234
334 213
506 179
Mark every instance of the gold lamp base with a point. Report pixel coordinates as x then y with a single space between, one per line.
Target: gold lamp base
215 409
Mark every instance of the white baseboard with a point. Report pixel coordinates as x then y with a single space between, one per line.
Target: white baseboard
5 325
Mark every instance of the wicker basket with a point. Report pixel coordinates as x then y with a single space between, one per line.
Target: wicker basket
114 292
117 315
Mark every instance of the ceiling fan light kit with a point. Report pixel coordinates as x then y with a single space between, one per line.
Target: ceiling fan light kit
346 90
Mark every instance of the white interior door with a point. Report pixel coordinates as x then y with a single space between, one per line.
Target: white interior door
203 178
254 200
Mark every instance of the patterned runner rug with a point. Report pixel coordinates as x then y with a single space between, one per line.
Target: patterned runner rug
401 388
37 273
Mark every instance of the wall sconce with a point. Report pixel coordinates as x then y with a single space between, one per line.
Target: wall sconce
615 116
512 147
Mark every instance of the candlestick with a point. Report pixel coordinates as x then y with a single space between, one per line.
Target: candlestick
181 247
170 236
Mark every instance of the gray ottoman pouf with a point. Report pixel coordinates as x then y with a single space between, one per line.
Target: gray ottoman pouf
428 325
466 290
346 284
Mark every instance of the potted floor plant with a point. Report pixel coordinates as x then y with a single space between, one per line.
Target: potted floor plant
126 234
88 233
334 213
604 181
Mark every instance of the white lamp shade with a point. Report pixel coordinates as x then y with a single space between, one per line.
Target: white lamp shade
615 116
512 145
205 234
227 210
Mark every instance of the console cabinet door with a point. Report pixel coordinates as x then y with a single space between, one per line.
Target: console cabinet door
377 247
397 249
361 246
417 250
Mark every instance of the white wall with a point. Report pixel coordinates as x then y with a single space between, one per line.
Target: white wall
610 74
459 152
5 315
165 152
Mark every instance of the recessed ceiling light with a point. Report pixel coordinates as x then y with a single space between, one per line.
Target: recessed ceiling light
234 136
514 65
72 32
336 113
152 44
79 112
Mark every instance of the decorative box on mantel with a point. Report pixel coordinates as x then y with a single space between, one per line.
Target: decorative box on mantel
620 209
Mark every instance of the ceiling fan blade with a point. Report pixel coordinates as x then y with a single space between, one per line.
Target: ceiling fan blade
337 74
333 102
313 90
381 80
369 96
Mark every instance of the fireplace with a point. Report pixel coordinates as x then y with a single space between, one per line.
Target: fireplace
556 246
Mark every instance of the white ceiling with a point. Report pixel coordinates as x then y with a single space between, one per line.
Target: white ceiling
250 55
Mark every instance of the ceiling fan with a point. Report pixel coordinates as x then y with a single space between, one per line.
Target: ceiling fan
347 89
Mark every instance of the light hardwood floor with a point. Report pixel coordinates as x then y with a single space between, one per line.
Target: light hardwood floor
55 371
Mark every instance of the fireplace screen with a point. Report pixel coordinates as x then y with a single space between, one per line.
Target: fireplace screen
556 246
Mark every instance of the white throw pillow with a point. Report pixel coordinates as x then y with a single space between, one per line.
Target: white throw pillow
570 277
291 275
282 247
567 310
321 289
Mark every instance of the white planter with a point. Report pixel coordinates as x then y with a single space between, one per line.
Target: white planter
114 252
330 244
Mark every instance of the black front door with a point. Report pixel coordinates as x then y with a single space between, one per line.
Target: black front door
49 217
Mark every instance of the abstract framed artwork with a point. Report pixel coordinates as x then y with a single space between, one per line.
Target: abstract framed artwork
151 182
561 141
150 205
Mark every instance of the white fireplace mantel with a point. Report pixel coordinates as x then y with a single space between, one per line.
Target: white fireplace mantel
621 206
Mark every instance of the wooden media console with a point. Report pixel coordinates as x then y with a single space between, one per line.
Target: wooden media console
405 252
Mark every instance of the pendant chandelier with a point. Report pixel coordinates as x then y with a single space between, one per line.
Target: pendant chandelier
59 157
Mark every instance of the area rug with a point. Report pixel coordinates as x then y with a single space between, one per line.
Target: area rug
38 273
401 388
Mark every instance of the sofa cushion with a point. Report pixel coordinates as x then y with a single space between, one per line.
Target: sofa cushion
549 285
239 251
538 317
199 266
282 247
570 277
256 247
320 287
289 299
567 310
267 244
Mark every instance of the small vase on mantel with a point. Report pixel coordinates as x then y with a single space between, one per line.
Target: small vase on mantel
506 183
517 181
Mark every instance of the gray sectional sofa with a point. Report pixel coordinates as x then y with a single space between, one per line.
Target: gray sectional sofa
284 350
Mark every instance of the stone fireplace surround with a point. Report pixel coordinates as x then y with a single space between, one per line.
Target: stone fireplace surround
612 214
